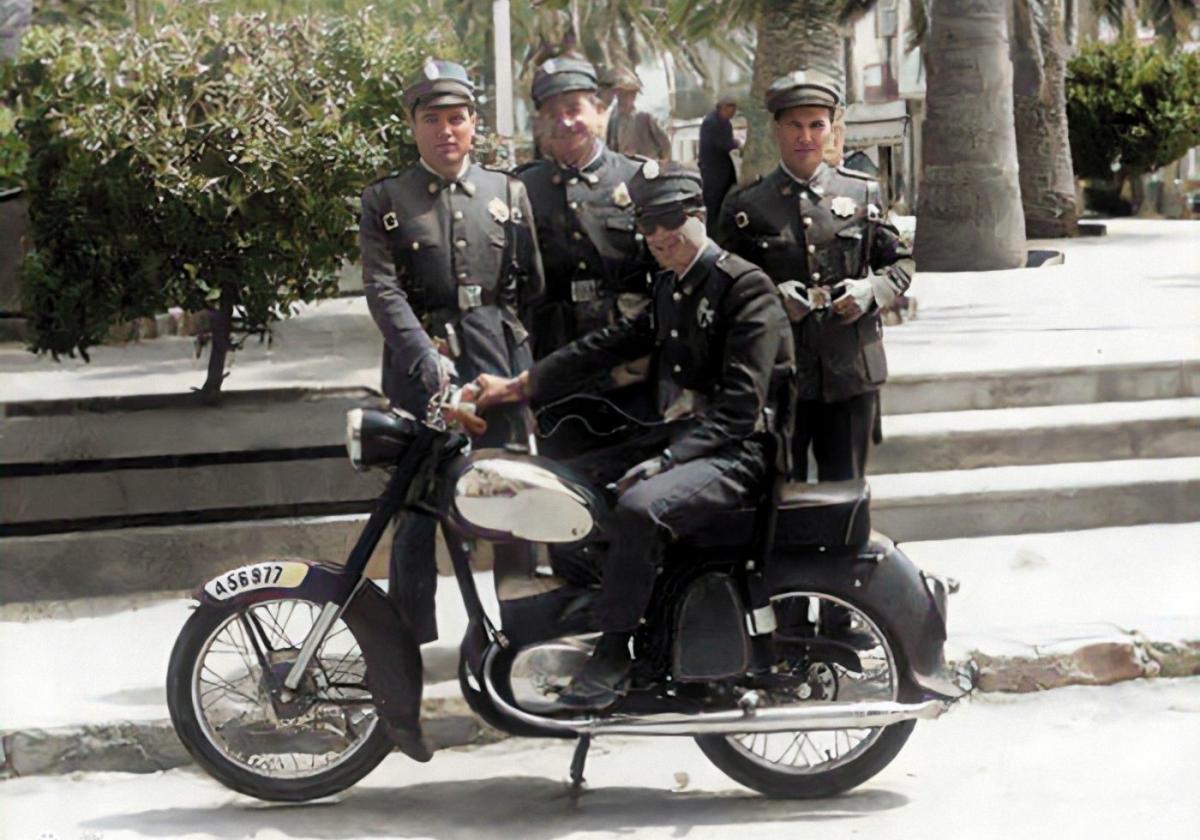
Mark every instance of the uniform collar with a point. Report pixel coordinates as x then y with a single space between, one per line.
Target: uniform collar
701 263
439 183
815 184
589 171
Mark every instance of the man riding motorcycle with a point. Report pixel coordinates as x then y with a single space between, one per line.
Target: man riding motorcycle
716 332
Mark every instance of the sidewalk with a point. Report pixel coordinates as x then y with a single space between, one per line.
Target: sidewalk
1131 296
1034 612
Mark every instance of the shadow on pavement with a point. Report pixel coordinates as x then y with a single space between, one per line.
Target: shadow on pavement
532 808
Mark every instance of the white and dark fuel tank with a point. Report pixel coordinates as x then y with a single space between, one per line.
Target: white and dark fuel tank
508 496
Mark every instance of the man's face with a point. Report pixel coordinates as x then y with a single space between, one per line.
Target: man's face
567 124
801 134
626 99
444 134
666 235
726 112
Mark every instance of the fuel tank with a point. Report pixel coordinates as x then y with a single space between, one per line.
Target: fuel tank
509 496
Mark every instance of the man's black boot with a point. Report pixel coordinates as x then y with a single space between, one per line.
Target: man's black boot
595 686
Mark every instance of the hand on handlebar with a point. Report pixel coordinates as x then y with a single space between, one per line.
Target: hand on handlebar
490 390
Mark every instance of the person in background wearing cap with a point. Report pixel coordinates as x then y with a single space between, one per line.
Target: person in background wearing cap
597 266
716 166
634 132
717 335
449 257
818 231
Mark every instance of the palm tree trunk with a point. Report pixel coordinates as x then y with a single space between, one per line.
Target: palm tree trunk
14 20
792 35
969 215
1043 147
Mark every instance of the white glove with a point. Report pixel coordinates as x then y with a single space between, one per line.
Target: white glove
852 305
646 469
795 300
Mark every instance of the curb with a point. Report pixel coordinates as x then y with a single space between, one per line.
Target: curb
151 746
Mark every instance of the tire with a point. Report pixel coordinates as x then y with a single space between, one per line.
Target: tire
780 783
201 627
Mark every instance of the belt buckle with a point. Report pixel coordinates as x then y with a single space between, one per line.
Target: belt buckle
584 291
470 297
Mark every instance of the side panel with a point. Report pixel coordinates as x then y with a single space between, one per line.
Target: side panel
884 582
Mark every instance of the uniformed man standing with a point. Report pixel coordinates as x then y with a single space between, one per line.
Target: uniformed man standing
818 232
717 335
449 256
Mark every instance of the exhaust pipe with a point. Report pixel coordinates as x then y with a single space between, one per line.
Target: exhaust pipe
749 718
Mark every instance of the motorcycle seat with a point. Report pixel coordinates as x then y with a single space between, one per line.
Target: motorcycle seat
831 514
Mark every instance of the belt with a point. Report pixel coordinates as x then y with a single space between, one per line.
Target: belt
585 291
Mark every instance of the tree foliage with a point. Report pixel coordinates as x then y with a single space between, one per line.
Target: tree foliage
214 166
1131 108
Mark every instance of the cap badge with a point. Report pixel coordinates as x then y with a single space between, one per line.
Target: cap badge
843 206
431 71
550 66
499 210
650 170
620 195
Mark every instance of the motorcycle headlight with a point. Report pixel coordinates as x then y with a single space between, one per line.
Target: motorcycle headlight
354 419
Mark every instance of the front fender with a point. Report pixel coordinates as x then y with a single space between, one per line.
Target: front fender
392 655
885 583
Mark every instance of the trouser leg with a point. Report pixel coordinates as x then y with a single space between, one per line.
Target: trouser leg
842 436
809 414
412 573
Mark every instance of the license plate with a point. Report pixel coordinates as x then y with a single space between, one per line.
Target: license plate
277 575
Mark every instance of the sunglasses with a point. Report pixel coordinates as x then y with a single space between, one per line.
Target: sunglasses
669 220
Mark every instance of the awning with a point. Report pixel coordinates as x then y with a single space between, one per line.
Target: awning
882 124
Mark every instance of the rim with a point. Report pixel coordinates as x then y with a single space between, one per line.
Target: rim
327 723
809 752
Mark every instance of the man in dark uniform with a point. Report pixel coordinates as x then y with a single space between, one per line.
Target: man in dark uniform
716 166
449 256
596 263
717 333
818 231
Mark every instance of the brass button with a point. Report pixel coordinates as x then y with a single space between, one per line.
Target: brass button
677 368
763 245
458 214
812 249
677 296
816 275
462 275
582 264
432 187
460 243
577 235
416 246
674 333
574 205
808 221
573 181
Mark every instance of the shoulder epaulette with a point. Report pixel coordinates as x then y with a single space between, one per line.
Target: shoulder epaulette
854 173
528 165
736 267
393 174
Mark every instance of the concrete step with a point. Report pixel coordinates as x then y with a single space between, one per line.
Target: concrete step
1028 499
1022 387
1038 435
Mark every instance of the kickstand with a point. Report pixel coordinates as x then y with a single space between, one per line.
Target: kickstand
577 762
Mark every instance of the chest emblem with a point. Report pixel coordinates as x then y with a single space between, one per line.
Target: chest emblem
705 314
843 206
620 195
499 210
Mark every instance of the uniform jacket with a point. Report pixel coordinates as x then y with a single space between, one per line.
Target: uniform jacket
437 253
591 253
821 233
638 134
719 333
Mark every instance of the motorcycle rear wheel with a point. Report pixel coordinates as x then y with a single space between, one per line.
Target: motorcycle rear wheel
792 773
217 696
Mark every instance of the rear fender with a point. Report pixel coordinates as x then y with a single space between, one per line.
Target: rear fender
885 583
392 655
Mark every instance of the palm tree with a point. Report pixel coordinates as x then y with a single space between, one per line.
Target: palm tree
969 214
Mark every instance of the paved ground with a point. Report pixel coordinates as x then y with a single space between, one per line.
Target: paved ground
1131 296
1082 763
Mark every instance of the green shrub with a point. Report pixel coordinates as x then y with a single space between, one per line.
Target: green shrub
1131 109
14 154
214 166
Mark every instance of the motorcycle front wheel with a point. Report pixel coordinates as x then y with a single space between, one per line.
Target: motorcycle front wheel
814 764
223 691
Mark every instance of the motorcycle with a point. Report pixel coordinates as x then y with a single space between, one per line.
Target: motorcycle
291 680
